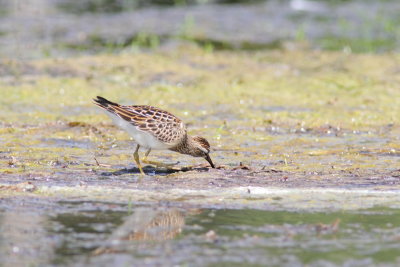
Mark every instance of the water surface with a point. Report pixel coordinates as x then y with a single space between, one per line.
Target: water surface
99 234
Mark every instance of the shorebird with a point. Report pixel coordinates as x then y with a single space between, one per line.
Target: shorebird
154 128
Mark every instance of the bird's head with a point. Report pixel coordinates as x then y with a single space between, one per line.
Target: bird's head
202 149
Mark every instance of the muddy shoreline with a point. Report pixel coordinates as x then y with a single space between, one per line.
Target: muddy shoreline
307 145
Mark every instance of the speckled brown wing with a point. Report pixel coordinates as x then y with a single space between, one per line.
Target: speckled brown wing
160 123
163 125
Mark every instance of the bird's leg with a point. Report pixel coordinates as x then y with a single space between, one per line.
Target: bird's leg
156 163
136 157
146 155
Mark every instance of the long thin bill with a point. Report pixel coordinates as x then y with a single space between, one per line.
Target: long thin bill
209 161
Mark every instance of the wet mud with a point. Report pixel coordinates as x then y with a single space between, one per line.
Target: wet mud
285 122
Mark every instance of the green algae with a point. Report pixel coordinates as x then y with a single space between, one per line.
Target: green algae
299 112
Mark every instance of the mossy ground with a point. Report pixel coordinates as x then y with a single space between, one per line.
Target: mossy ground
294 118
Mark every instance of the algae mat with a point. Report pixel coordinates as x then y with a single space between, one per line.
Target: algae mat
279 118
306 144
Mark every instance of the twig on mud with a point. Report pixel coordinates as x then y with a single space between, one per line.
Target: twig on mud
221 167
101 164
241 167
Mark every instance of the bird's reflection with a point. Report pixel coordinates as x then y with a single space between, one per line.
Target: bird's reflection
163 226
145 225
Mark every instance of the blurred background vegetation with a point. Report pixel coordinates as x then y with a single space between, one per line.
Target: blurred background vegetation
63 27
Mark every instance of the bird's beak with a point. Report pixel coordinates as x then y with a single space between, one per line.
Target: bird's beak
209 161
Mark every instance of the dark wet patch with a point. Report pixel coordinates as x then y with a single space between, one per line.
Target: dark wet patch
150 170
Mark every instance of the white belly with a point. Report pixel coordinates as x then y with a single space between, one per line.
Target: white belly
144 139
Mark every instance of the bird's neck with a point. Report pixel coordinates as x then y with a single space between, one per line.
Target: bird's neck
185 146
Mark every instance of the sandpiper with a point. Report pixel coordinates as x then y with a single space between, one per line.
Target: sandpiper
153 128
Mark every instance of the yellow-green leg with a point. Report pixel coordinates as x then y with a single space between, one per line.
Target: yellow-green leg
156 163
136 157
145 155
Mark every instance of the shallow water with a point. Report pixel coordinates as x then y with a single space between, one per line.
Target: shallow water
99 234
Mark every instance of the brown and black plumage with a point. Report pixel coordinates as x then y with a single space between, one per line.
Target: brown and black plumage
154 128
